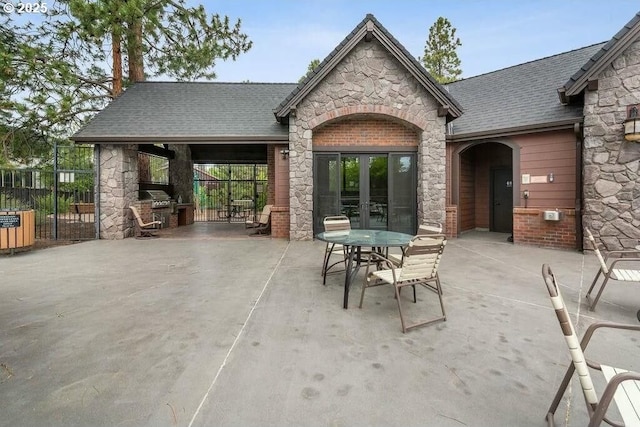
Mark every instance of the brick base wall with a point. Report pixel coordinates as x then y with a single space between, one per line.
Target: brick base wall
280 222
530 228
451 226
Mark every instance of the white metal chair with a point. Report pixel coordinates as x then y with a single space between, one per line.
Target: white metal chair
622 386
144 229
420 267
423 229
334 223
263 224
609 271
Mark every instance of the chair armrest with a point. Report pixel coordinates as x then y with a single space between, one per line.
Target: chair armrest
621 254
601 325
378 258
609 392
617 260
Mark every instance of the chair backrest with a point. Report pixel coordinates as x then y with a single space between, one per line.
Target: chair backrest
422 257
265 214
570 336
136 215
336 223
430 228
594 246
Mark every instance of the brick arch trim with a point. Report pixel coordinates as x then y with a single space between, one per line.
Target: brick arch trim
380 110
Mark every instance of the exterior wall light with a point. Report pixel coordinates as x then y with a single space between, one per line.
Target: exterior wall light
285 153
632 124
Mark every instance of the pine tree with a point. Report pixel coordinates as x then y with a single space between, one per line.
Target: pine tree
312 66
440 57
84 53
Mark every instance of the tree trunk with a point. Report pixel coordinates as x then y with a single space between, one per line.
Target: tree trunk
134 52
116 52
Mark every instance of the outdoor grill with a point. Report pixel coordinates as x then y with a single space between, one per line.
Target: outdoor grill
159 199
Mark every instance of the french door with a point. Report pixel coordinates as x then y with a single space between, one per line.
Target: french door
375 190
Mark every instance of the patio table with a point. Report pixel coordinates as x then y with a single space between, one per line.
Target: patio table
354 240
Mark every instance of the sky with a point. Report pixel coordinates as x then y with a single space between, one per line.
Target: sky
288 34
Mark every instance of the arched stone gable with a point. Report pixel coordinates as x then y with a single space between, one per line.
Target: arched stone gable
369 80
611 184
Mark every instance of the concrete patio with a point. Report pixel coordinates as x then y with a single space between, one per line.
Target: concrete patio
203 329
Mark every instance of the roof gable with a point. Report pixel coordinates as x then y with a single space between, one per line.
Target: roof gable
366 30
601 59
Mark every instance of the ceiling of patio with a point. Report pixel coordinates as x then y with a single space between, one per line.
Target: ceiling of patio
229 153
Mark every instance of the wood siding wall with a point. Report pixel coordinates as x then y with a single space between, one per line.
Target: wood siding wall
467 208
542 154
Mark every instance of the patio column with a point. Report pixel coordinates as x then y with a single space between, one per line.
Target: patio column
118 188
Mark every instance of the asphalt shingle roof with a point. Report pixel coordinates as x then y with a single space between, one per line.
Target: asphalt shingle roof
591 65
522 95
178 110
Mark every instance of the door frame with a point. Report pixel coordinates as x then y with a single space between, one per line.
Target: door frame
459 149
364 179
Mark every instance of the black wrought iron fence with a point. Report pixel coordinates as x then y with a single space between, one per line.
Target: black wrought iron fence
229 192
62 195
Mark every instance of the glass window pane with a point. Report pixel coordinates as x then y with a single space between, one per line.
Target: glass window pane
378 191
402 203
326 175
350 189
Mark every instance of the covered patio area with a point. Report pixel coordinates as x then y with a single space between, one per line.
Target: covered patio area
240 331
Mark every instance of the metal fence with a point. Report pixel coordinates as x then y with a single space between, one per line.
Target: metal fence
229 192
62 195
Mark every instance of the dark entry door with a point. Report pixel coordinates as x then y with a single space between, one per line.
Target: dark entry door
376 191
502 200
364 190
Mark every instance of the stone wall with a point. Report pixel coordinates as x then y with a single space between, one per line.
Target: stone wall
118 181
369 82
611 184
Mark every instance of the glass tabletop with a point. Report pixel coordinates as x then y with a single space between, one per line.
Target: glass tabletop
372 238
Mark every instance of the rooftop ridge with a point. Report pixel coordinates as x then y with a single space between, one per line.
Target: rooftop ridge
529 62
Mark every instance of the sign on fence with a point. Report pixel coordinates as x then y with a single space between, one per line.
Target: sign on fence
9 221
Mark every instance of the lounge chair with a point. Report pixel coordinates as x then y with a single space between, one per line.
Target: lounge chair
144 229
420 267
263 224
608 271
622 386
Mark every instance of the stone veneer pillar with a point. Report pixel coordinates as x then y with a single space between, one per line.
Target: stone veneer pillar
611 171
369 81
118 180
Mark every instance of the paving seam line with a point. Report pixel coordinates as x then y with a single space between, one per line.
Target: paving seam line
240 333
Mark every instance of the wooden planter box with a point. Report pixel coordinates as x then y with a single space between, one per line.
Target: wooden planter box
17 230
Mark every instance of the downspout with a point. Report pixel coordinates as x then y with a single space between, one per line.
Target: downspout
578 132
96 195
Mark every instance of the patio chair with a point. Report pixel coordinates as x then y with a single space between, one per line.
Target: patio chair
263 224
622 386
144 229
608 271
423 229
335 223
420 267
